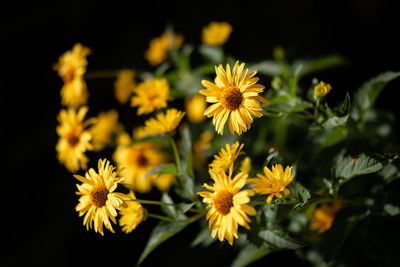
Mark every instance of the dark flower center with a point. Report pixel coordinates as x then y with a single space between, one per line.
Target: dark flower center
223 202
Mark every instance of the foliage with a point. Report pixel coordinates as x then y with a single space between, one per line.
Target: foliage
340 153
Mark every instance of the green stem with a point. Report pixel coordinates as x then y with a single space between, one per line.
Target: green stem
160 203
153 202
160 217
316 109
176 155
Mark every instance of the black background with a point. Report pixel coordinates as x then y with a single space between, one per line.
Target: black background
41 225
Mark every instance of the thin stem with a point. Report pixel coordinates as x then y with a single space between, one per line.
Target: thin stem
153 202
160 217
176 155
255 203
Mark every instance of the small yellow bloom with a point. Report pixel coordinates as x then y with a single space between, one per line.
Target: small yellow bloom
137 160
245 165
225 158
74 138
216 33
124 85
324 215
71 67
322 89
279 53
235 97
195 107
132 215
157 51
106 124
164 123
273 183
98 200
227 205
150 95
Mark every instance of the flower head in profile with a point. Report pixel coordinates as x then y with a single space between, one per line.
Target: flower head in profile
216 33
324 215
132 215
322 89
159 46
275 182
74 138
164 122
106 124
226 157
71 66
98 201
124 85
235 98
150 95
228 205
195 107
138 159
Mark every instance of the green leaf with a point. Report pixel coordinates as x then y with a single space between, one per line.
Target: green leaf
175 211
335 117
162 232
249 254
213 53
169 168
323 63
392 210
336 135
348 167
368 93
278 239
203 238
302 106
268 67
294 81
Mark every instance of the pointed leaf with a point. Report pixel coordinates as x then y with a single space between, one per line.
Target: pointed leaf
169 168
348 167
162 232
248 255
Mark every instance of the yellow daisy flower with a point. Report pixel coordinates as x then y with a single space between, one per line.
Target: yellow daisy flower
216 33
124 85
106 124
324 215
164 123
273 183
137 160
132 215
195 107
157 51
225 158
150 95
74 138
98 200
227 204
235 96
322 89
71 67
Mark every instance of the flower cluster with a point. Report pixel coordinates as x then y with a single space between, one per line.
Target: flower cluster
271 155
